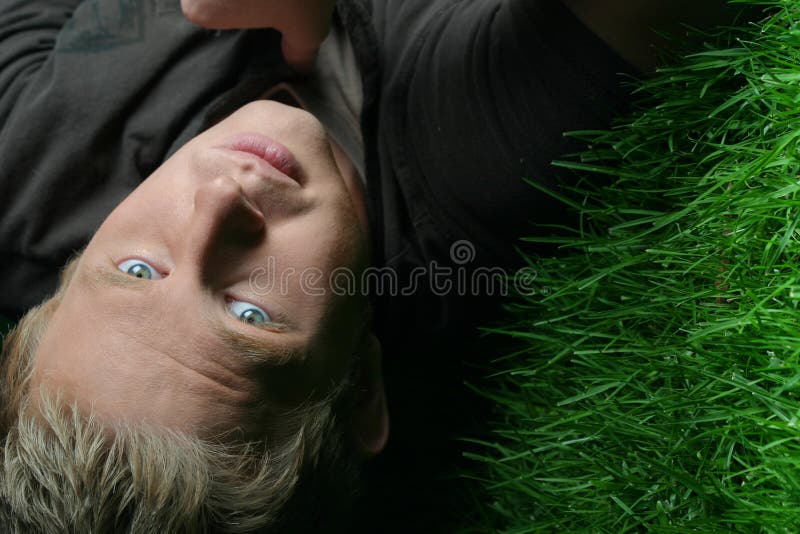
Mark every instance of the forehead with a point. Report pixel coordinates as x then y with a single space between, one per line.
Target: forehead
137 361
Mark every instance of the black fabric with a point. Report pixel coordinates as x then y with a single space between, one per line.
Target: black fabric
94 95
463 100
475 97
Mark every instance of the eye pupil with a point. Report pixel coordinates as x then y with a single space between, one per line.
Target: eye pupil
140 270
248 313
252 316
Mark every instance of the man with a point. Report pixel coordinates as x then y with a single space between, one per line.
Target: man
186 375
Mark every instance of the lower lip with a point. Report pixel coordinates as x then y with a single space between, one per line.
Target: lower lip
268 150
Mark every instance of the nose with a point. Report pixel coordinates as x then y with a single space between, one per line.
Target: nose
224 224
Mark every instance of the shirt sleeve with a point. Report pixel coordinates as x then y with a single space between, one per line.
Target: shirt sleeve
71 75
478 96
475 97
94 95
28 33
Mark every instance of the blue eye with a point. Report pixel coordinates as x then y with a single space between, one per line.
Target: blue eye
248 313
139 269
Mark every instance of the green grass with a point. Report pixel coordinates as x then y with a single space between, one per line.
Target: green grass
657 385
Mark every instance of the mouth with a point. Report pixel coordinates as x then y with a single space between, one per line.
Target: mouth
268 151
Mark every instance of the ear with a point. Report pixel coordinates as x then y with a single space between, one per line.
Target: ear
370 417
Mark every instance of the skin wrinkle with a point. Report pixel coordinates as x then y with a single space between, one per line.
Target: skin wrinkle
229 380
101 277
167 350
224 386
257 349
230 393
232 347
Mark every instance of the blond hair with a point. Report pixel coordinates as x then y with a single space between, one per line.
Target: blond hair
63 471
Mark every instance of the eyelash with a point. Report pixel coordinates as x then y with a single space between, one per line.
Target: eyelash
161 273
228 299
269 317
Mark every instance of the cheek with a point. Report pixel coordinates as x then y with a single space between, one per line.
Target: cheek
166 195
324 240
144 216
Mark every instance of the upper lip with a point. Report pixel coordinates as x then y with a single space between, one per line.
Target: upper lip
262 148
261 167
264 186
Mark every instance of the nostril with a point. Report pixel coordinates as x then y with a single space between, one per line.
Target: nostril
252 218
225 204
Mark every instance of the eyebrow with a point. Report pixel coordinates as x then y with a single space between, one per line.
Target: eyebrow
259 349
99 277
255 348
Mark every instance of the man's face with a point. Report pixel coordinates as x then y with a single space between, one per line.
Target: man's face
188 307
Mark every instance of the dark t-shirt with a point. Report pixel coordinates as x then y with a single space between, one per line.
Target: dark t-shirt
94 96
475 96
464 99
